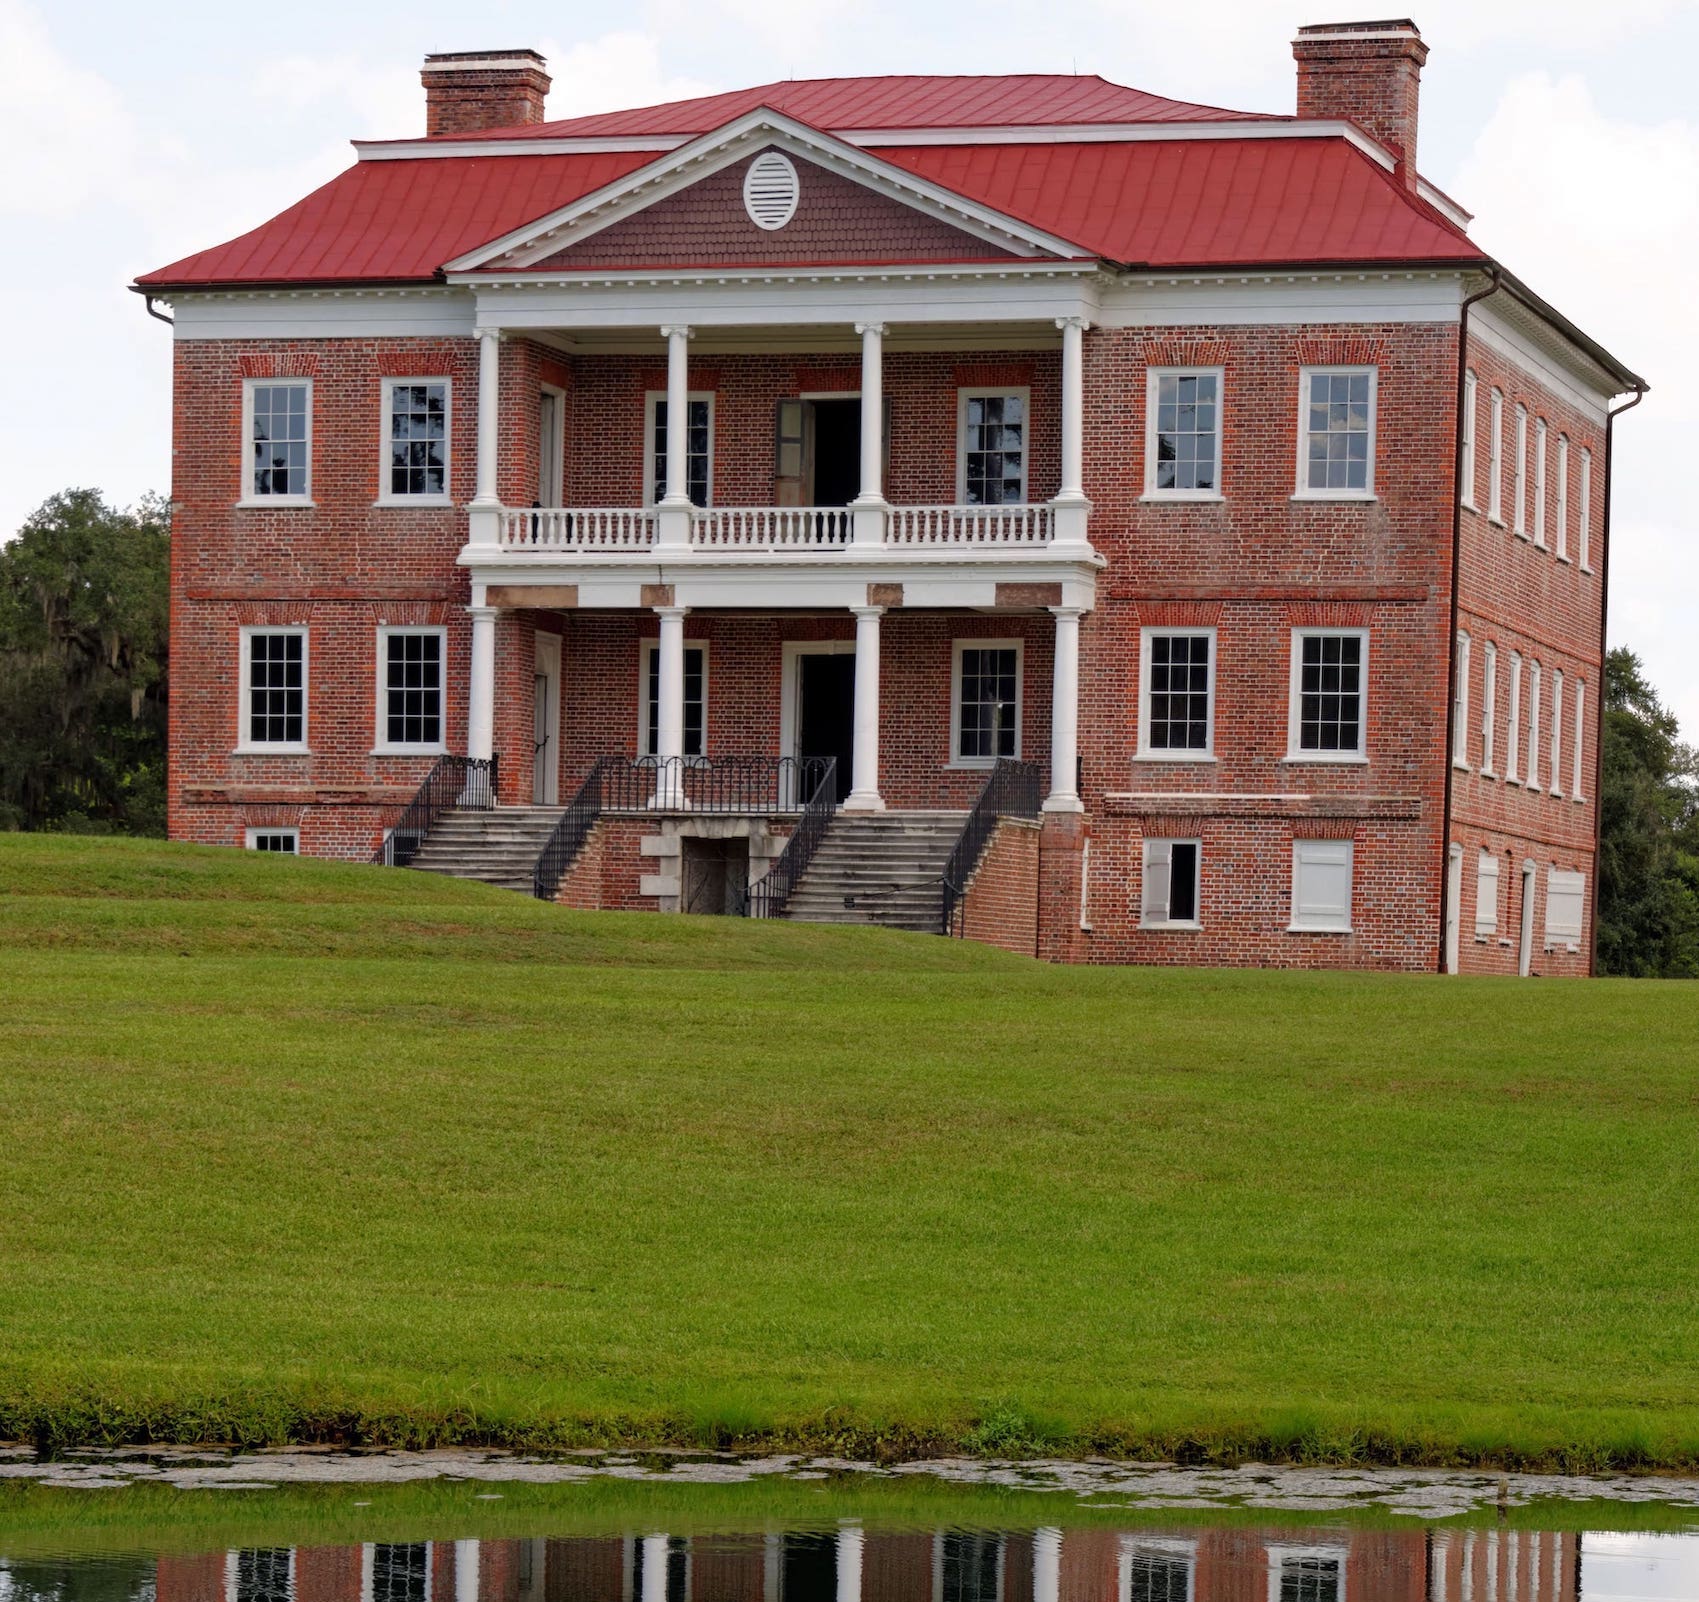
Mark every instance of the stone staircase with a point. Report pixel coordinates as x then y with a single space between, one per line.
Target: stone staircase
499 845
880 868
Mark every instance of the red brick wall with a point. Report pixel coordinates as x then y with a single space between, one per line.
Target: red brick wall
1001 904
836 220
1523 598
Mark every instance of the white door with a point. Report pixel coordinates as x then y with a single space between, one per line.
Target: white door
1525 960
1453 911
549 442
545 723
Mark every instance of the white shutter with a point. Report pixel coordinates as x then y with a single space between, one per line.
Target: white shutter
1486 894
1321 884
1564 892
1158 869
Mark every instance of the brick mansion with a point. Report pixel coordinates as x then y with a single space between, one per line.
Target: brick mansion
1115 528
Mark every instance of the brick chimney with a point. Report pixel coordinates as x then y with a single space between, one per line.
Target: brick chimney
467 91
1367 73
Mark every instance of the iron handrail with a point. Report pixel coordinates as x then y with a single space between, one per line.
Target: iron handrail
567 838
1012 790
769 897
454 781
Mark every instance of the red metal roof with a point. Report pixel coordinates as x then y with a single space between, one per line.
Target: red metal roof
1017 100
1201 202
399 221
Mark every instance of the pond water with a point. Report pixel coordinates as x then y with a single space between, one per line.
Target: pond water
332 1527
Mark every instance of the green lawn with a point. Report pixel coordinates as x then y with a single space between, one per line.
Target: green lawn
292 1150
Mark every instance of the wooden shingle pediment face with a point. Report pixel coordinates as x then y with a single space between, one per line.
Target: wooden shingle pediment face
743 215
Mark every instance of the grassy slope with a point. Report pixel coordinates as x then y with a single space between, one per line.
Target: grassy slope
293 1149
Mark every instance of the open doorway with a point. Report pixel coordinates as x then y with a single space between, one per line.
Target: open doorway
817 459
545 722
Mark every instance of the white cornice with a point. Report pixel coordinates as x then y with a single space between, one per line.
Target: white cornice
702 157
1516 332
893 138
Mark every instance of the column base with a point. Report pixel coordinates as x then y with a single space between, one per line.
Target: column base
862 801
1062 803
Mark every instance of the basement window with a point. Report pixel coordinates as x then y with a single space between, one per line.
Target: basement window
285 841
1169 893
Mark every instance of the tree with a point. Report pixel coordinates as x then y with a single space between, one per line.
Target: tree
1648 913
83 618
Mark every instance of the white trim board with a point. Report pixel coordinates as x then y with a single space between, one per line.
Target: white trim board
1570 380
702 157
339 313
1041 133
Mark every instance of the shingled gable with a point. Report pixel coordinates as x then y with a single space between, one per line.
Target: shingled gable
690 199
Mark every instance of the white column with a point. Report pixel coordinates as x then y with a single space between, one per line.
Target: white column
865 796
1073 409
489 416
654 1568
465 1571
870 506
1046 1565
1065 714
849 1562
673 509
669 714
481 684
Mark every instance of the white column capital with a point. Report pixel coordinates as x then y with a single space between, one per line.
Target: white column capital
480 610
1073 320
868 611
669 611
677 331
1067 611
879 330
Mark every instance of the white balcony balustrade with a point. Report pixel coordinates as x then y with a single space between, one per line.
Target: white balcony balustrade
771 528
596 528
1014 525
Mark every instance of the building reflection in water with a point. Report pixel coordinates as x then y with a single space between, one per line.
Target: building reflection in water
853 1565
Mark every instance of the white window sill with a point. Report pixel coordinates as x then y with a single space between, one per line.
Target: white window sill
1495 519
1339 497
1562 558
1318 928
1539 544
1484 939
410 750
1520 533
1556 795
1175 756
1532 788
1342 759
1579 800
974 764
1587 569
304 503
414 500
1156 497
1469 506
1462 767
277 749
1510 778
1169 924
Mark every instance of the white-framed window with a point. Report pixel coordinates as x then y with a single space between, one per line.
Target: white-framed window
1565 901
698 447
1169 891
1460 704
1489 708
1519 511
416 442
285 841
1531 779
1154 1568
1183 433
1562 512
1466 462
1585 541
992 429
1556 784
1486 895
1575 793
1306 1574
1329 696
260 1574
412 666
1321 886
695 698
274 690
1336 433
1540 482
1177 694
277 423
985 702
396 1572
1495 458
1513 724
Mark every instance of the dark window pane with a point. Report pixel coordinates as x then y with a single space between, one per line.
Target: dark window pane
418 451
988 703
413 689
1179 692
1330 692
994 442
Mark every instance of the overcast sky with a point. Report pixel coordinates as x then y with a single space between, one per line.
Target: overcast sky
136 134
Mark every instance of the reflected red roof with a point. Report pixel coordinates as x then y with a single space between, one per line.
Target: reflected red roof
1020 100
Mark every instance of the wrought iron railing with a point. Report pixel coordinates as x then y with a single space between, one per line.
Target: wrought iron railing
454 781
771 895
1012 790
740 785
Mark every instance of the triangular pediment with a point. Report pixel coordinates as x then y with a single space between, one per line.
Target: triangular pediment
697 207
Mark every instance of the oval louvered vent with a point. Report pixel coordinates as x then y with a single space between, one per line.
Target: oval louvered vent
770 190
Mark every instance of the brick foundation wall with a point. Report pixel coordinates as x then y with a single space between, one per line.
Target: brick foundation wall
1001 904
